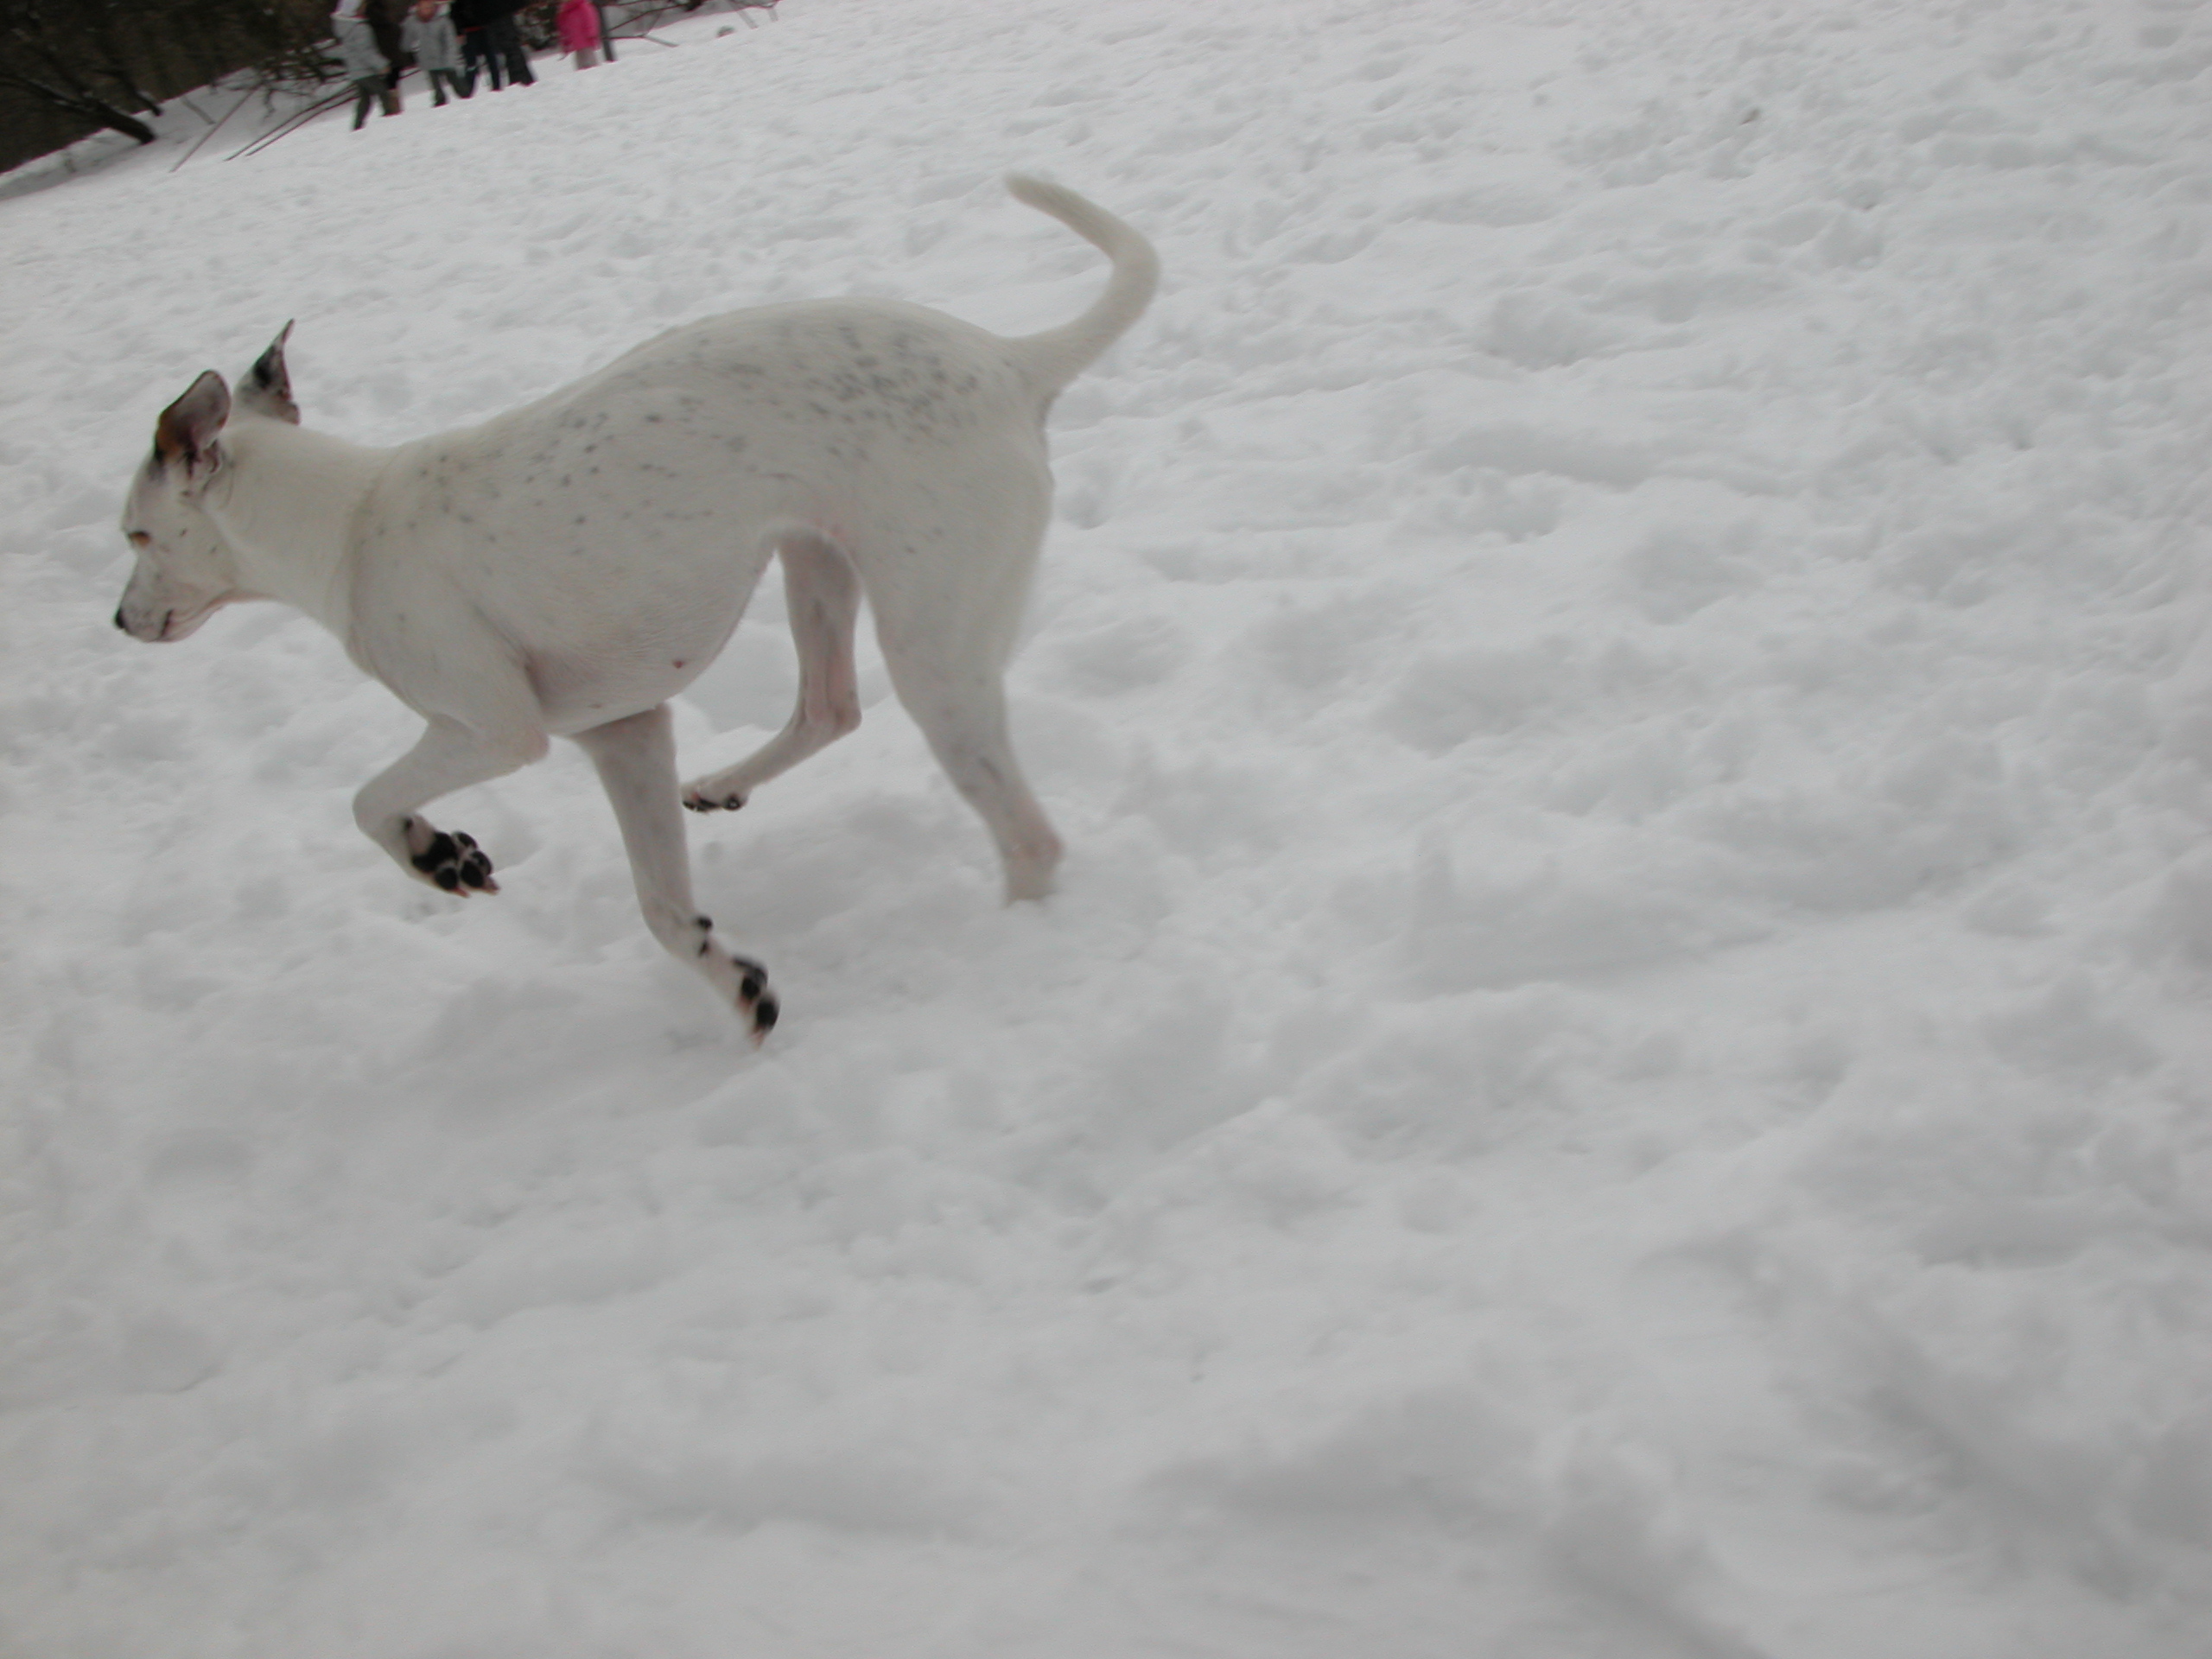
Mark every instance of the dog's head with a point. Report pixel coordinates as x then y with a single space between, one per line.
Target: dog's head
186 571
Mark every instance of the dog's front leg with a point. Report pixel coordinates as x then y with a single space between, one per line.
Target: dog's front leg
450 756
636 758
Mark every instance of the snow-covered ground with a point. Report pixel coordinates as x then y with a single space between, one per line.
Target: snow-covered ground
1621 1068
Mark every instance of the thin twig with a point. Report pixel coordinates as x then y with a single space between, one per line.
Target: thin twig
212 131
292 124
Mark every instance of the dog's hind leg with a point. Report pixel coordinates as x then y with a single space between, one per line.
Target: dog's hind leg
636 758
822 594
449 756
947 642
963 713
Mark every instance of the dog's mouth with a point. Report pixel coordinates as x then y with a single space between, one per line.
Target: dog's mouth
177 622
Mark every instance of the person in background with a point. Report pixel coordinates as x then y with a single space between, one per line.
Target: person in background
428 34
506 40
364 63
578 22
382 17
606 35
477 56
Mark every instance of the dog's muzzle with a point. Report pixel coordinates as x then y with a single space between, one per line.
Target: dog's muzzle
168 623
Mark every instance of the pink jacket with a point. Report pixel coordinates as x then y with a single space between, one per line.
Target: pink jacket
579 26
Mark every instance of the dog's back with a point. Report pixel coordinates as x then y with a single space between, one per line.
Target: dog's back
836 419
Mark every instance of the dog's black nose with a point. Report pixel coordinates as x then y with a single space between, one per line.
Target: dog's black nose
118 617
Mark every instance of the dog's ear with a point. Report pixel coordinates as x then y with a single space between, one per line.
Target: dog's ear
267 388
186 434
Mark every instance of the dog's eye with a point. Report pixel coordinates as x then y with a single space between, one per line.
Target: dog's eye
140 538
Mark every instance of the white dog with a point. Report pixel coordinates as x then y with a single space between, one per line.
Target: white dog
565 568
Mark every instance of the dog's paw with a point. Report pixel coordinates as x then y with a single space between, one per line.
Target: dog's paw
755 1000
453 861
744 979
697 800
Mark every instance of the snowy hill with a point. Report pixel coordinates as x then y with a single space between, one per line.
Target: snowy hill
1620 1068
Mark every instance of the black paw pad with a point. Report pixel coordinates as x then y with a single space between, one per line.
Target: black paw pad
753 996
455 863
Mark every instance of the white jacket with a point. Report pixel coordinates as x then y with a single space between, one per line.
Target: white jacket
357 50
434 44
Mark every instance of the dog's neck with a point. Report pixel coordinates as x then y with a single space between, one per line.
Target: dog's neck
287 511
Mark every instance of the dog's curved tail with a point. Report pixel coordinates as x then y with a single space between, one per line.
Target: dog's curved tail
1057 356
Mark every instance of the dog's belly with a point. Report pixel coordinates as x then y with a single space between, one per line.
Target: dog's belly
586 681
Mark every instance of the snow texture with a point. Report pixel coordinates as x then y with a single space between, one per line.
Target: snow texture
1620 1069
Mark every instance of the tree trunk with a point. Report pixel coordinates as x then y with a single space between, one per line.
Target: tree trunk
79 102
